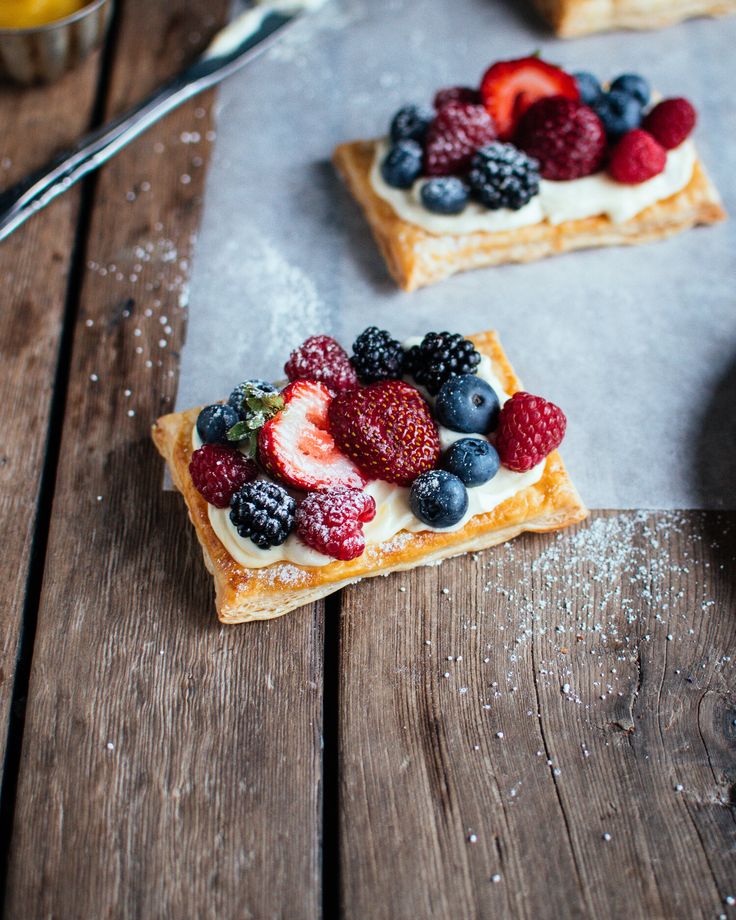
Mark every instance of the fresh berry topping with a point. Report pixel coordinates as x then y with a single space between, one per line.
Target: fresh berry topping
218 472
467 403
439 356
296 446
402 165
248 389
444 195
529 429
636 158
619 113
214 422
456 94
634 85
331 522
508 88
264 512
503 177
473 460
671 122
439 499
589 87
377 356
453 137
410 123
255 402
566 137
387 429
322 359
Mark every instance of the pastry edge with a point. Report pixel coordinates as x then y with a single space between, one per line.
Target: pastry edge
242 595
573 18
416 257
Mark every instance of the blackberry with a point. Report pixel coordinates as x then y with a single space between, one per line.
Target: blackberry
264 512
377 356
439 356
411 122
501 176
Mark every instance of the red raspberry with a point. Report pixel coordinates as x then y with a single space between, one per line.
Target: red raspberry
458 130
529 428
456 94
567 138
324 360
387 429
331 521
636 158
671 122
218 472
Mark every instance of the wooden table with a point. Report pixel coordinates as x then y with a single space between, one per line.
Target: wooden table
543 730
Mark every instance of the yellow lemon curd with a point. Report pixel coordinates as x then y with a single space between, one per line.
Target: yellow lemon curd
26 14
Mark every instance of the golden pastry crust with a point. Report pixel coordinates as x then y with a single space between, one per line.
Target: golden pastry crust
416 257
571 18
244 594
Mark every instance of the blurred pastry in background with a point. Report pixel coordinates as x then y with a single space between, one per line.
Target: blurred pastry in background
571 18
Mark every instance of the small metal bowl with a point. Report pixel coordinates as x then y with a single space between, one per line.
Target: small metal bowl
44 53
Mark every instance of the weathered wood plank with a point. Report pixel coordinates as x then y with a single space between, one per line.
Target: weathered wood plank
549 751
170 767
34 268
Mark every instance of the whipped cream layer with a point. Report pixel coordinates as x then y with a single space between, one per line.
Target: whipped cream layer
556 202
393 513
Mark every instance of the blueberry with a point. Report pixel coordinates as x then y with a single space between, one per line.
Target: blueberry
467 403
473 460
213 423
438 498
411 123
619 112
236 397
445 195
402 164
634 85
590 88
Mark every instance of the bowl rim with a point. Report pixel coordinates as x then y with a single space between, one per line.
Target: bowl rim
88 8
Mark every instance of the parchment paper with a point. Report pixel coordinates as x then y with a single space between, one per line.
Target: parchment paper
637 345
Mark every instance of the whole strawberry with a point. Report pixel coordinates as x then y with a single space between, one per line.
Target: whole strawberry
459 129
324 360
332 522
566 137
218 472
671 122
636 158
387 429
529 428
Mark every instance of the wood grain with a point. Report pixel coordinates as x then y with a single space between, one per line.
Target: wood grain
34 268
170 766
550 751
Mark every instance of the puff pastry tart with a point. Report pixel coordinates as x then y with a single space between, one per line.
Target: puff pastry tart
535 162
398 456
571 18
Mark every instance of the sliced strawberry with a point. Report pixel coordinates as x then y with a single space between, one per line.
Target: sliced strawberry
296 445
508 88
